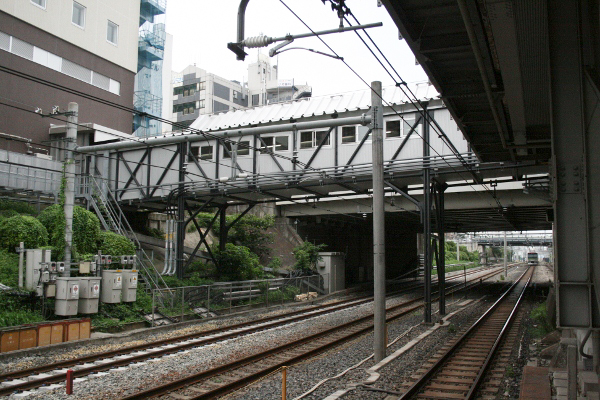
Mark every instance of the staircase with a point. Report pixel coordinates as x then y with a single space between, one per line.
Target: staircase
112 218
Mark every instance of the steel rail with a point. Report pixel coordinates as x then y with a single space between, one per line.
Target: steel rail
228 387
237 330
414 389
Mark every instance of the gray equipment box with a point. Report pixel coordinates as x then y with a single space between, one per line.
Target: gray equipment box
130 281
89 294
67 296
112 282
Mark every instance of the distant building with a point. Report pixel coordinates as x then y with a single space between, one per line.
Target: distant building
86 46
265 87
153 52
196 92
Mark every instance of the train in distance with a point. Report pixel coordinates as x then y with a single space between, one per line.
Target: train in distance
532 258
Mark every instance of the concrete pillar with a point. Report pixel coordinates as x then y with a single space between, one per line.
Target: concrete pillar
71 142
379 345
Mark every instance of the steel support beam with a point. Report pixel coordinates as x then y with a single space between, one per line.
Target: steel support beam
440 188
573 200
379 339
181 223
426 216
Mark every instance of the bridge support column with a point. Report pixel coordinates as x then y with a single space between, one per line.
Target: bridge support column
223 228
575 128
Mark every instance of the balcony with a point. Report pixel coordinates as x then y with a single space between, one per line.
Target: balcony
150 8
151 48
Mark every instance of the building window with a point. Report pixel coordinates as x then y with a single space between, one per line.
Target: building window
275 143
309 139
112 33
40 3
187 90
78 15
235 94
186 108
201 103
349 134
243 148
400 128
255 99
202 86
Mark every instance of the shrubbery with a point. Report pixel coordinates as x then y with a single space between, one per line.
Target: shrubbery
86 228
237 263
18 207
22 228
114 244
307 255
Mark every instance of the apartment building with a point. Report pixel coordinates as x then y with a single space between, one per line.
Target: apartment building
51 50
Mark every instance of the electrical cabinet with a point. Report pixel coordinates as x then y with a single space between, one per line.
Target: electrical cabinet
33 258
129 288
89 294
67 296
112 282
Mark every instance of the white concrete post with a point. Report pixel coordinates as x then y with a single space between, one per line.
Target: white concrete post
71 142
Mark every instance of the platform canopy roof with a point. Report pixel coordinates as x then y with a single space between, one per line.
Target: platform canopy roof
489 61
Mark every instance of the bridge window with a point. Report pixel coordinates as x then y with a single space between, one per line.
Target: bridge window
348 134
400 128
201 153
243 149
309 139
206 153
276 143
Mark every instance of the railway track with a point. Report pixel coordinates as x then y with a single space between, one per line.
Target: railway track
239 373
56 373
460 370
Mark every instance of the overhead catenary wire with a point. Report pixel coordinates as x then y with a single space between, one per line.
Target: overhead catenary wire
419 109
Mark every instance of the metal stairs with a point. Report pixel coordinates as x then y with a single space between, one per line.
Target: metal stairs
103 201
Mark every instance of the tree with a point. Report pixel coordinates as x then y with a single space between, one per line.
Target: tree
114 244
307 255
237 263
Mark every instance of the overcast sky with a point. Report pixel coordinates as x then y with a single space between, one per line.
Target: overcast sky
201 30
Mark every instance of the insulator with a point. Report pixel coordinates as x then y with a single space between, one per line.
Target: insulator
258 41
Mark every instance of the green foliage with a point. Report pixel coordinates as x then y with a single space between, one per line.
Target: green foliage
237 263
114 244
16 309
19 207
203 269
155 233
540 318
9 268
275 265
464 254
22 228
307 255
113 317
86 228
249 231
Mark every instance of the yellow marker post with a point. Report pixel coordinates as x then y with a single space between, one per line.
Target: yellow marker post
283 382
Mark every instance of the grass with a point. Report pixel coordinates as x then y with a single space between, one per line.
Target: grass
456 267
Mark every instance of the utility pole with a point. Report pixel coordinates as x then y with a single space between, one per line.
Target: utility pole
427 215
379 340
505 254
71 141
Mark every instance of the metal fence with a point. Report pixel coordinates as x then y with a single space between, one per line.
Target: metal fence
24 172
181 303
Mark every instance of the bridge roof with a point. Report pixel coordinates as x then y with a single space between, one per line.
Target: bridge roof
309 107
